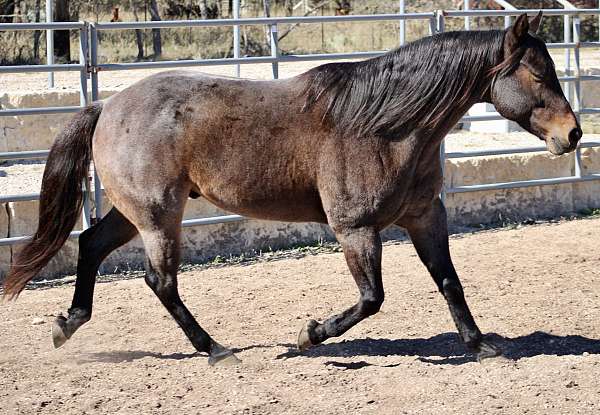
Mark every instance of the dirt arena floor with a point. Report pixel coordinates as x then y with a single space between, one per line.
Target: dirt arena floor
534 288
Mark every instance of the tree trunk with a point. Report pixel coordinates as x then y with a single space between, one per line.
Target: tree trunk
139 39
62 39
156 40
37 33
203 9
289 7
7 9
219 9
267 10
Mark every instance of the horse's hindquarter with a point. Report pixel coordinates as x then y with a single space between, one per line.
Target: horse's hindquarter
244 145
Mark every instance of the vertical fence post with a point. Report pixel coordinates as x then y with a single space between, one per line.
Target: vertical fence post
94 60
467 7
402 24
567 39
433 25
83 60
577 99
440 27
49 43
274 34
236 36
83 101
95 97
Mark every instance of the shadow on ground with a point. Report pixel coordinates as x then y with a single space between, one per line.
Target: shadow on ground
125 356
122 356
441 349
446 348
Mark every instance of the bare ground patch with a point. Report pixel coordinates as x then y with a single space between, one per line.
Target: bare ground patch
535 289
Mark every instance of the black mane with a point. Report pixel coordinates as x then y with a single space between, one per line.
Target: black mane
410 87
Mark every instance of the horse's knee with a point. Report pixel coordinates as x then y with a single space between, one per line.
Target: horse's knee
152 280
162 285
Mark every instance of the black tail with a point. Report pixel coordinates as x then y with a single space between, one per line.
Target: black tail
61 199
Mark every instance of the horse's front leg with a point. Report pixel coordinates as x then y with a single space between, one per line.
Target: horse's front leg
429 234
362 249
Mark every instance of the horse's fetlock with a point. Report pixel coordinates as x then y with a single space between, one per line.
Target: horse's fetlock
472 340
81 315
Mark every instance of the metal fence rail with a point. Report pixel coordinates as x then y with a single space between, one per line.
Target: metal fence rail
89 67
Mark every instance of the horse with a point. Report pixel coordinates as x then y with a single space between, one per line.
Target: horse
354 145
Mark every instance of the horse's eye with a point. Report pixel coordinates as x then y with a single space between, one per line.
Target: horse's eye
537 77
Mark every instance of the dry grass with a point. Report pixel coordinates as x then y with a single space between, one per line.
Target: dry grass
188 43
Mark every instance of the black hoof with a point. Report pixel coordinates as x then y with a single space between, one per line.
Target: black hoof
224 358
60 332
63 328
487 350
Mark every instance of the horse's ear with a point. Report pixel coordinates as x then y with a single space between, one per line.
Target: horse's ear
516 34
534 24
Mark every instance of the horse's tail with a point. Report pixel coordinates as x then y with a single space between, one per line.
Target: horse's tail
61 199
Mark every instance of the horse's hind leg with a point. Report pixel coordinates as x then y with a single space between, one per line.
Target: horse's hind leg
429 234
162 245
362 249
95 244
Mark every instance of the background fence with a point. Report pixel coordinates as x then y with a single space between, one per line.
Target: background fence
89 68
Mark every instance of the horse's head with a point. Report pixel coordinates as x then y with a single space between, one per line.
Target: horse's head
527 91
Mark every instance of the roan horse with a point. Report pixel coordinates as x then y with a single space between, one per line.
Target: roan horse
353 145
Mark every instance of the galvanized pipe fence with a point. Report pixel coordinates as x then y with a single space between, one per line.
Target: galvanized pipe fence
90 68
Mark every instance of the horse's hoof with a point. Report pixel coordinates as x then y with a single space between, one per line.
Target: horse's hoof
304 338
59 331
224 359
487 350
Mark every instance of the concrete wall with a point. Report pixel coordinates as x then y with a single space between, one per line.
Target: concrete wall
466 209
513 204
35 132
199 243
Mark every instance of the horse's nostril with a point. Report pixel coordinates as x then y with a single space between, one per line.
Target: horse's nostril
575 135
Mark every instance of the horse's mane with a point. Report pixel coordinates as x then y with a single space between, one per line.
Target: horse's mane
409 87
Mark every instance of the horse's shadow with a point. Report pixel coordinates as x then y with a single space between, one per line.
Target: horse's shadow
446 348
443 348
127 356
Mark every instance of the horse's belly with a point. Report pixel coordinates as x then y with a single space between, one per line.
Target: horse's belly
281 206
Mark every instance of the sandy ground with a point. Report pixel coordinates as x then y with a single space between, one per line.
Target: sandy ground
536 286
